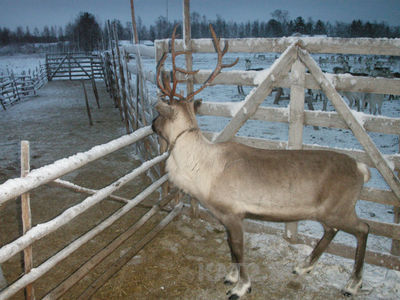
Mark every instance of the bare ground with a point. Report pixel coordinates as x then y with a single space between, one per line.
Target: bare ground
186 261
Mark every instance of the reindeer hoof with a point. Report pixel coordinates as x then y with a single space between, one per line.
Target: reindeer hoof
234 296
303 269
352 287
228 282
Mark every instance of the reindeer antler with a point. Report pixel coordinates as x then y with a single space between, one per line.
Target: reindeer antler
166 86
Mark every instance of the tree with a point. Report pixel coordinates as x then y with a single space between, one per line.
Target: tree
5 36
319 28
299 25
19 35
86 33
274 28
356 28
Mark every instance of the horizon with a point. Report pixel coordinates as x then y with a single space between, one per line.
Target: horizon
34 14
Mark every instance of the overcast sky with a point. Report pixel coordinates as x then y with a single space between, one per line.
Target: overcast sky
37 13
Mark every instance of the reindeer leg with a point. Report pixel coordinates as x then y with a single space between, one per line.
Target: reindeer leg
361 232
233 275
309 263
238 273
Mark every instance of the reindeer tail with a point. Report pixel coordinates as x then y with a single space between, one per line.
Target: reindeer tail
364 170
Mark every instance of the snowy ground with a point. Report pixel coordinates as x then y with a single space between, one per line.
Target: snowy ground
189 259
20 63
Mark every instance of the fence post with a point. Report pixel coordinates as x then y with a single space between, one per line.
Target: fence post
122 81
296 123
96 94
14 87
395 250
26 217
116 79
69 66
47 68
187 36
87 104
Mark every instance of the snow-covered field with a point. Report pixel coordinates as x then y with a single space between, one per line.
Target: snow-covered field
20 63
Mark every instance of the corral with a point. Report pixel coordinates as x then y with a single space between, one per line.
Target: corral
197 270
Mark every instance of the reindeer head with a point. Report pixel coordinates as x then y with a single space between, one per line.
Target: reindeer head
177 113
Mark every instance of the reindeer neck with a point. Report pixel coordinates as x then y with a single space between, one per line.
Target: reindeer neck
191 129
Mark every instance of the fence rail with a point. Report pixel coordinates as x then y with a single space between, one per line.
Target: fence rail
13 188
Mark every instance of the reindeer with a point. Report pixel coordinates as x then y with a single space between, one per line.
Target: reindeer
234 181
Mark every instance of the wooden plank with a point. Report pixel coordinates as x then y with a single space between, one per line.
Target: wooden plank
296 107
26 218
249 106
367 46
296 121
74 278
87 104
389 230
187 45
354 124
57 68
73 246
342 82
81 67
315 118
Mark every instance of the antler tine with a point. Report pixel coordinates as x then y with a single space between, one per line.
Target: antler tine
164 83
164 86
220 65
173 55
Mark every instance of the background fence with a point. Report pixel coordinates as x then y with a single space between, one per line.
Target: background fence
13 88
73 66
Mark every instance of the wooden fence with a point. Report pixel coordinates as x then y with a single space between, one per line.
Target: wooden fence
74 66
136 109
13 88
50 174
127 82
289 71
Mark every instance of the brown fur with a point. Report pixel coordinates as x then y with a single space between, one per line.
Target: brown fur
234 181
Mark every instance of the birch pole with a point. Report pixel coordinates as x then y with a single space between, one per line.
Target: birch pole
296 123
26 218
187 45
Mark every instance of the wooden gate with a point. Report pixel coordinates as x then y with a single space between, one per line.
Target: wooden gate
73 66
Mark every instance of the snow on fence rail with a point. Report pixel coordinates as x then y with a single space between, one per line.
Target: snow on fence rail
295 55
13 88
13 188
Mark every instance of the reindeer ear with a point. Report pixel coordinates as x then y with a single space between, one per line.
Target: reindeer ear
197 104
164 109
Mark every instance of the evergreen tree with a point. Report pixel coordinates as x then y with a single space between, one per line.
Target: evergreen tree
86 32
299 25
319 28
